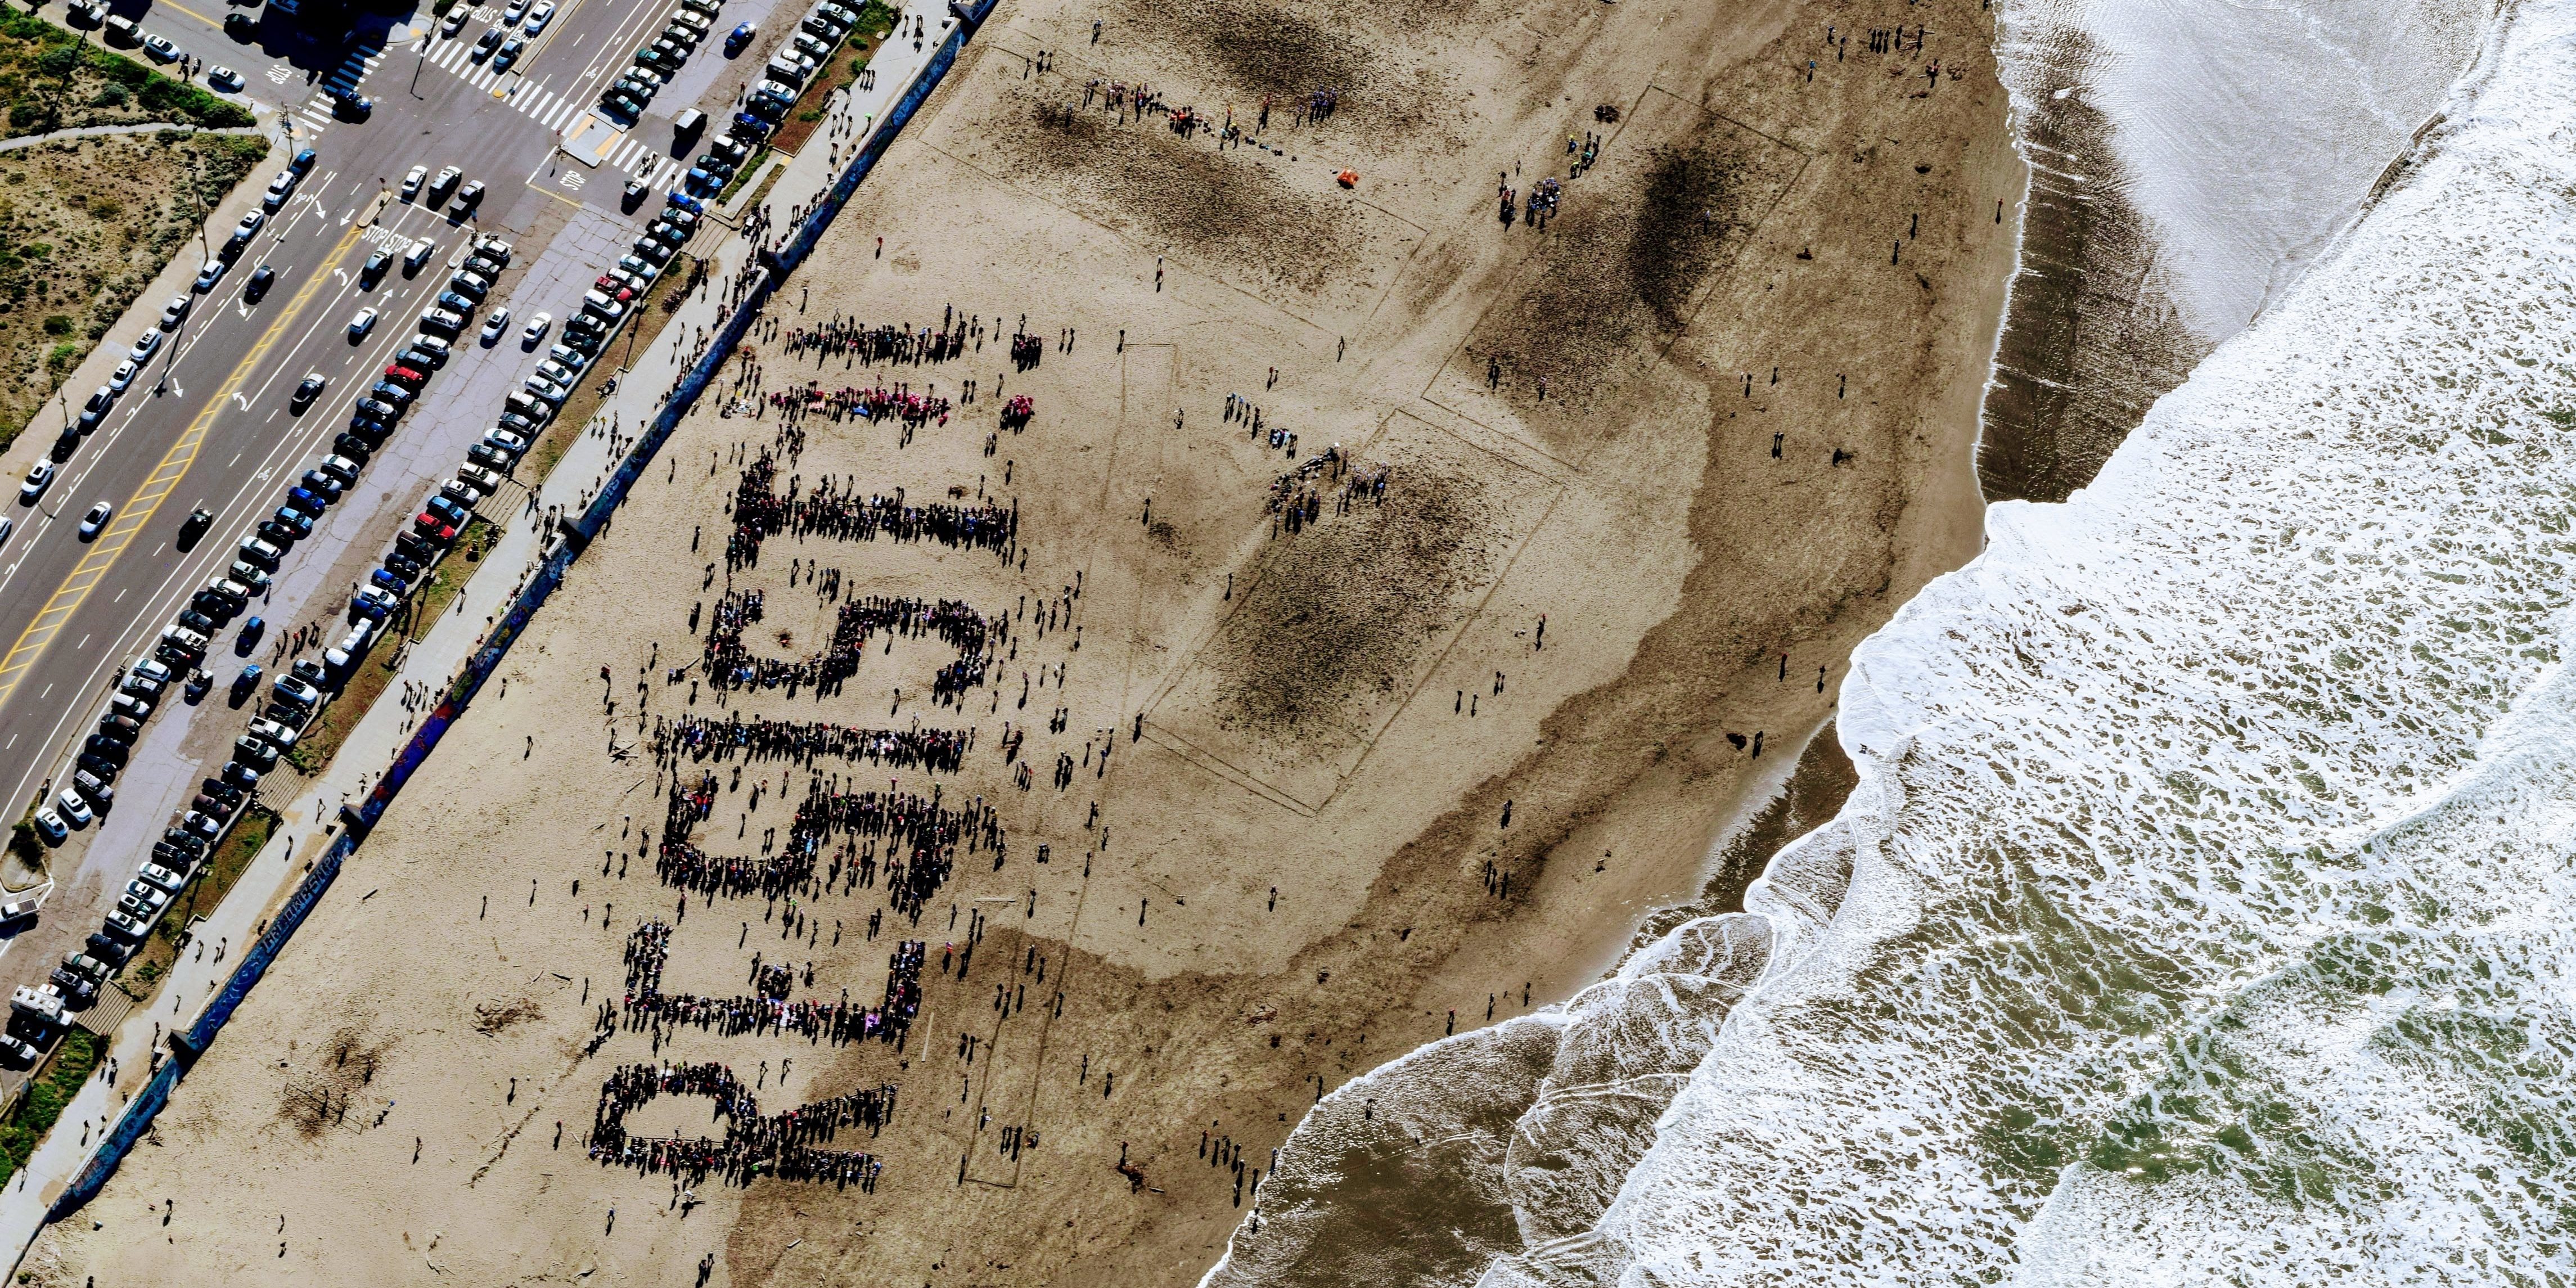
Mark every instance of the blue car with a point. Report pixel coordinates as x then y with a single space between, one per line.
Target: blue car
247 682
689 203
385 580
249 639
448 510
747 126
303 499
303 161
700 181
739 37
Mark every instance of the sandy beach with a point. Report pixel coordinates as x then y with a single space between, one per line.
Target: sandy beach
1624 488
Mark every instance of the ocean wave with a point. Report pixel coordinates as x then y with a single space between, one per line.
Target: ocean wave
2203 913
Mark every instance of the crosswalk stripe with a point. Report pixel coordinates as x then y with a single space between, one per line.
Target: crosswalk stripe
537 107
562 111
625 152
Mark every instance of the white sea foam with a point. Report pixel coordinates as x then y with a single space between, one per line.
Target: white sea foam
2245 133
2207 908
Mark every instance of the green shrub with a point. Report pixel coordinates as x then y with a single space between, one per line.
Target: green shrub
58 325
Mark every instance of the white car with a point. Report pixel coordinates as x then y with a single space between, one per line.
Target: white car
495 326
536 329
539 15
412 181
123 376
39 477
95 521
360 325
225 80
74 808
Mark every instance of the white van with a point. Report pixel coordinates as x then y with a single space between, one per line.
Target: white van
418 256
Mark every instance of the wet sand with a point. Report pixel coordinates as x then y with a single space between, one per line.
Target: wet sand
1300 865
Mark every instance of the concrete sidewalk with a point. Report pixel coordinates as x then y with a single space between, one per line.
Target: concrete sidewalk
434 661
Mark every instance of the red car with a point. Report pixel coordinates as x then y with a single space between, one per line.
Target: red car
614 289
405 376
434 528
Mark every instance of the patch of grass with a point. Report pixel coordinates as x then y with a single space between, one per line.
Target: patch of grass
750 166
52 80
321 740
84 227
53 1087
834 72
206 889
643 327
448 579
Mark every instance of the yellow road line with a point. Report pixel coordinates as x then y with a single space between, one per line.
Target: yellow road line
139 508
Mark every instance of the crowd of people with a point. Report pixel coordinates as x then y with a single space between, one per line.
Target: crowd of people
838 511
701 738
922 840
854 341
730 663
1017 411
1298 500
899 402
754 1145
646 1007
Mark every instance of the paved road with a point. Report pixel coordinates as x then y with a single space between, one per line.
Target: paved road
209 423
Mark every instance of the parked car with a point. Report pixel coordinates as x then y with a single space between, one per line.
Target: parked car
495 326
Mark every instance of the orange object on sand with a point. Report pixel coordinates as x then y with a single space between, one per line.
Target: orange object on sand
1349 178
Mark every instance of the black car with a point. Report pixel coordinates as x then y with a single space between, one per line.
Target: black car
97 766
352 446
391 394
374 270
198 622
213 605
412 547
278 534
382 413
352 107
420 359
261 278
483 266
194 526
490 458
